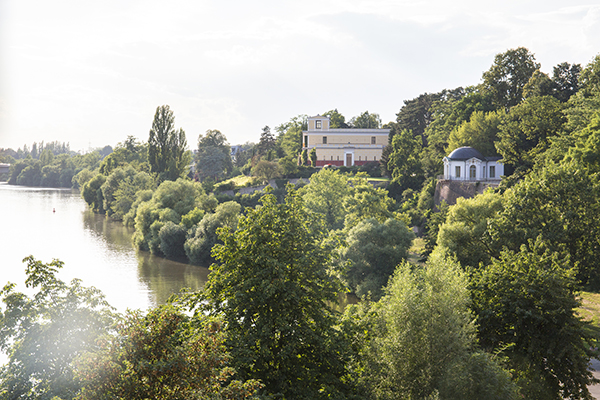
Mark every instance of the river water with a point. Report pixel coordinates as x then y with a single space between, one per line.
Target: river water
56 223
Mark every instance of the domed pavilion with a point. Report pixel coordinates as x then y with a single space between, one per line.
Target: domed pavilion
468 164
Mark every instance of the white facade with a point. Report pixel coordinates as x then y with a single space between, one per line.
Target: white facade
467 164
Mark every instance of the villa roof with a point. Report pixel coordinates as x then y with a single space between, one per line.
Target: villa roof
465 153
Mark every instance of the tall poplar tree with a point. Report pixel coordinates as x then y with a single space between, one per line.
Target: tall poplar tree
167 153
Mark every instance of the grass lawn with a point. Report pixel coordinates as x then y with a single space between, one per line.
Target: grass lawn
415 251
590 311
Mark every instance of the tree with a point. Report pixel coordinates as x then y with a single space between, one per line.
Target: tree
416 115
313 157
266 170
169 202
539 84
589 80
92 193
271 286
508 75
465 232
404 161
373 250
365 202
325 196
161 355
526 130
559 205
44 332
214 155
289 135
266 142
525 304
366 120
480 132
566 80
421 341
166 146
336 120
203 237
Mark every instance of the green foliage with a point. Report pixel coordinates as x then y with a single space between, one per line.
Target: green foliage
566 80
44 332
325 196
435 220
313 157
290 136
172 238
336 120
266 170
480 132
366 202
404 162
372 252
170 201
525 304
161 355
271 286
203 237
539 84
589 79
559 204
419 339
465 232
192 218
127 192
507 77
366 120
92 193
526 130
167 153
213 159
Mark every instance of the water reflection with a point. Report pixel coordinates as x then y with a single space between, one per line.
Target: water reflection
56 223
165 277
162 277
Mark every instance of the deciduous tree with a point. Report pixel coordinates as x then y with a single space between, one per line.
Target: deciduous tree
42 333
525 304
271 286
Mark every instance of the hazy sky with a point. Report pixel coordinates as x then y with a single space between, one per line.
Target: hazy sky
93 72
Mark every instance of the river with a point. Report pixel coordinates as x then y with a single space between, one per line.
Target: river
56 223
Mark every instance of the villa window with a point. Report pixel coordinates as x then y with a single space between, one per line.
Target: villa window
472 172
331 158
305 141
324 139
457 171
373 140
338 158
359 158
318 124
492 171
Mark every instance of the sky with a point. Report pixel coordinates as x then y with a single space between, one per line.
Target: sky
92 73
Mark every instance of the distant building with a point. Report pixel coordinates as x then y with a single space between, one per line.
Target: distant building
343 147
467 164
4 168
235 150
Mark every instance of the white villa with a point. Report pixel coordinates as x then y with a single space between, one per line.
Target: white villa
467 164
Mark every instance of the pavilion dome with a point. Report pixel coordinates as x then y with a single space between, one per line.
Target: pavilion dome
465 153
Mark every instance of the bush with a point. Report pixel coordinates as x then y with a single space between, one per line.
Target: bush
172 238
